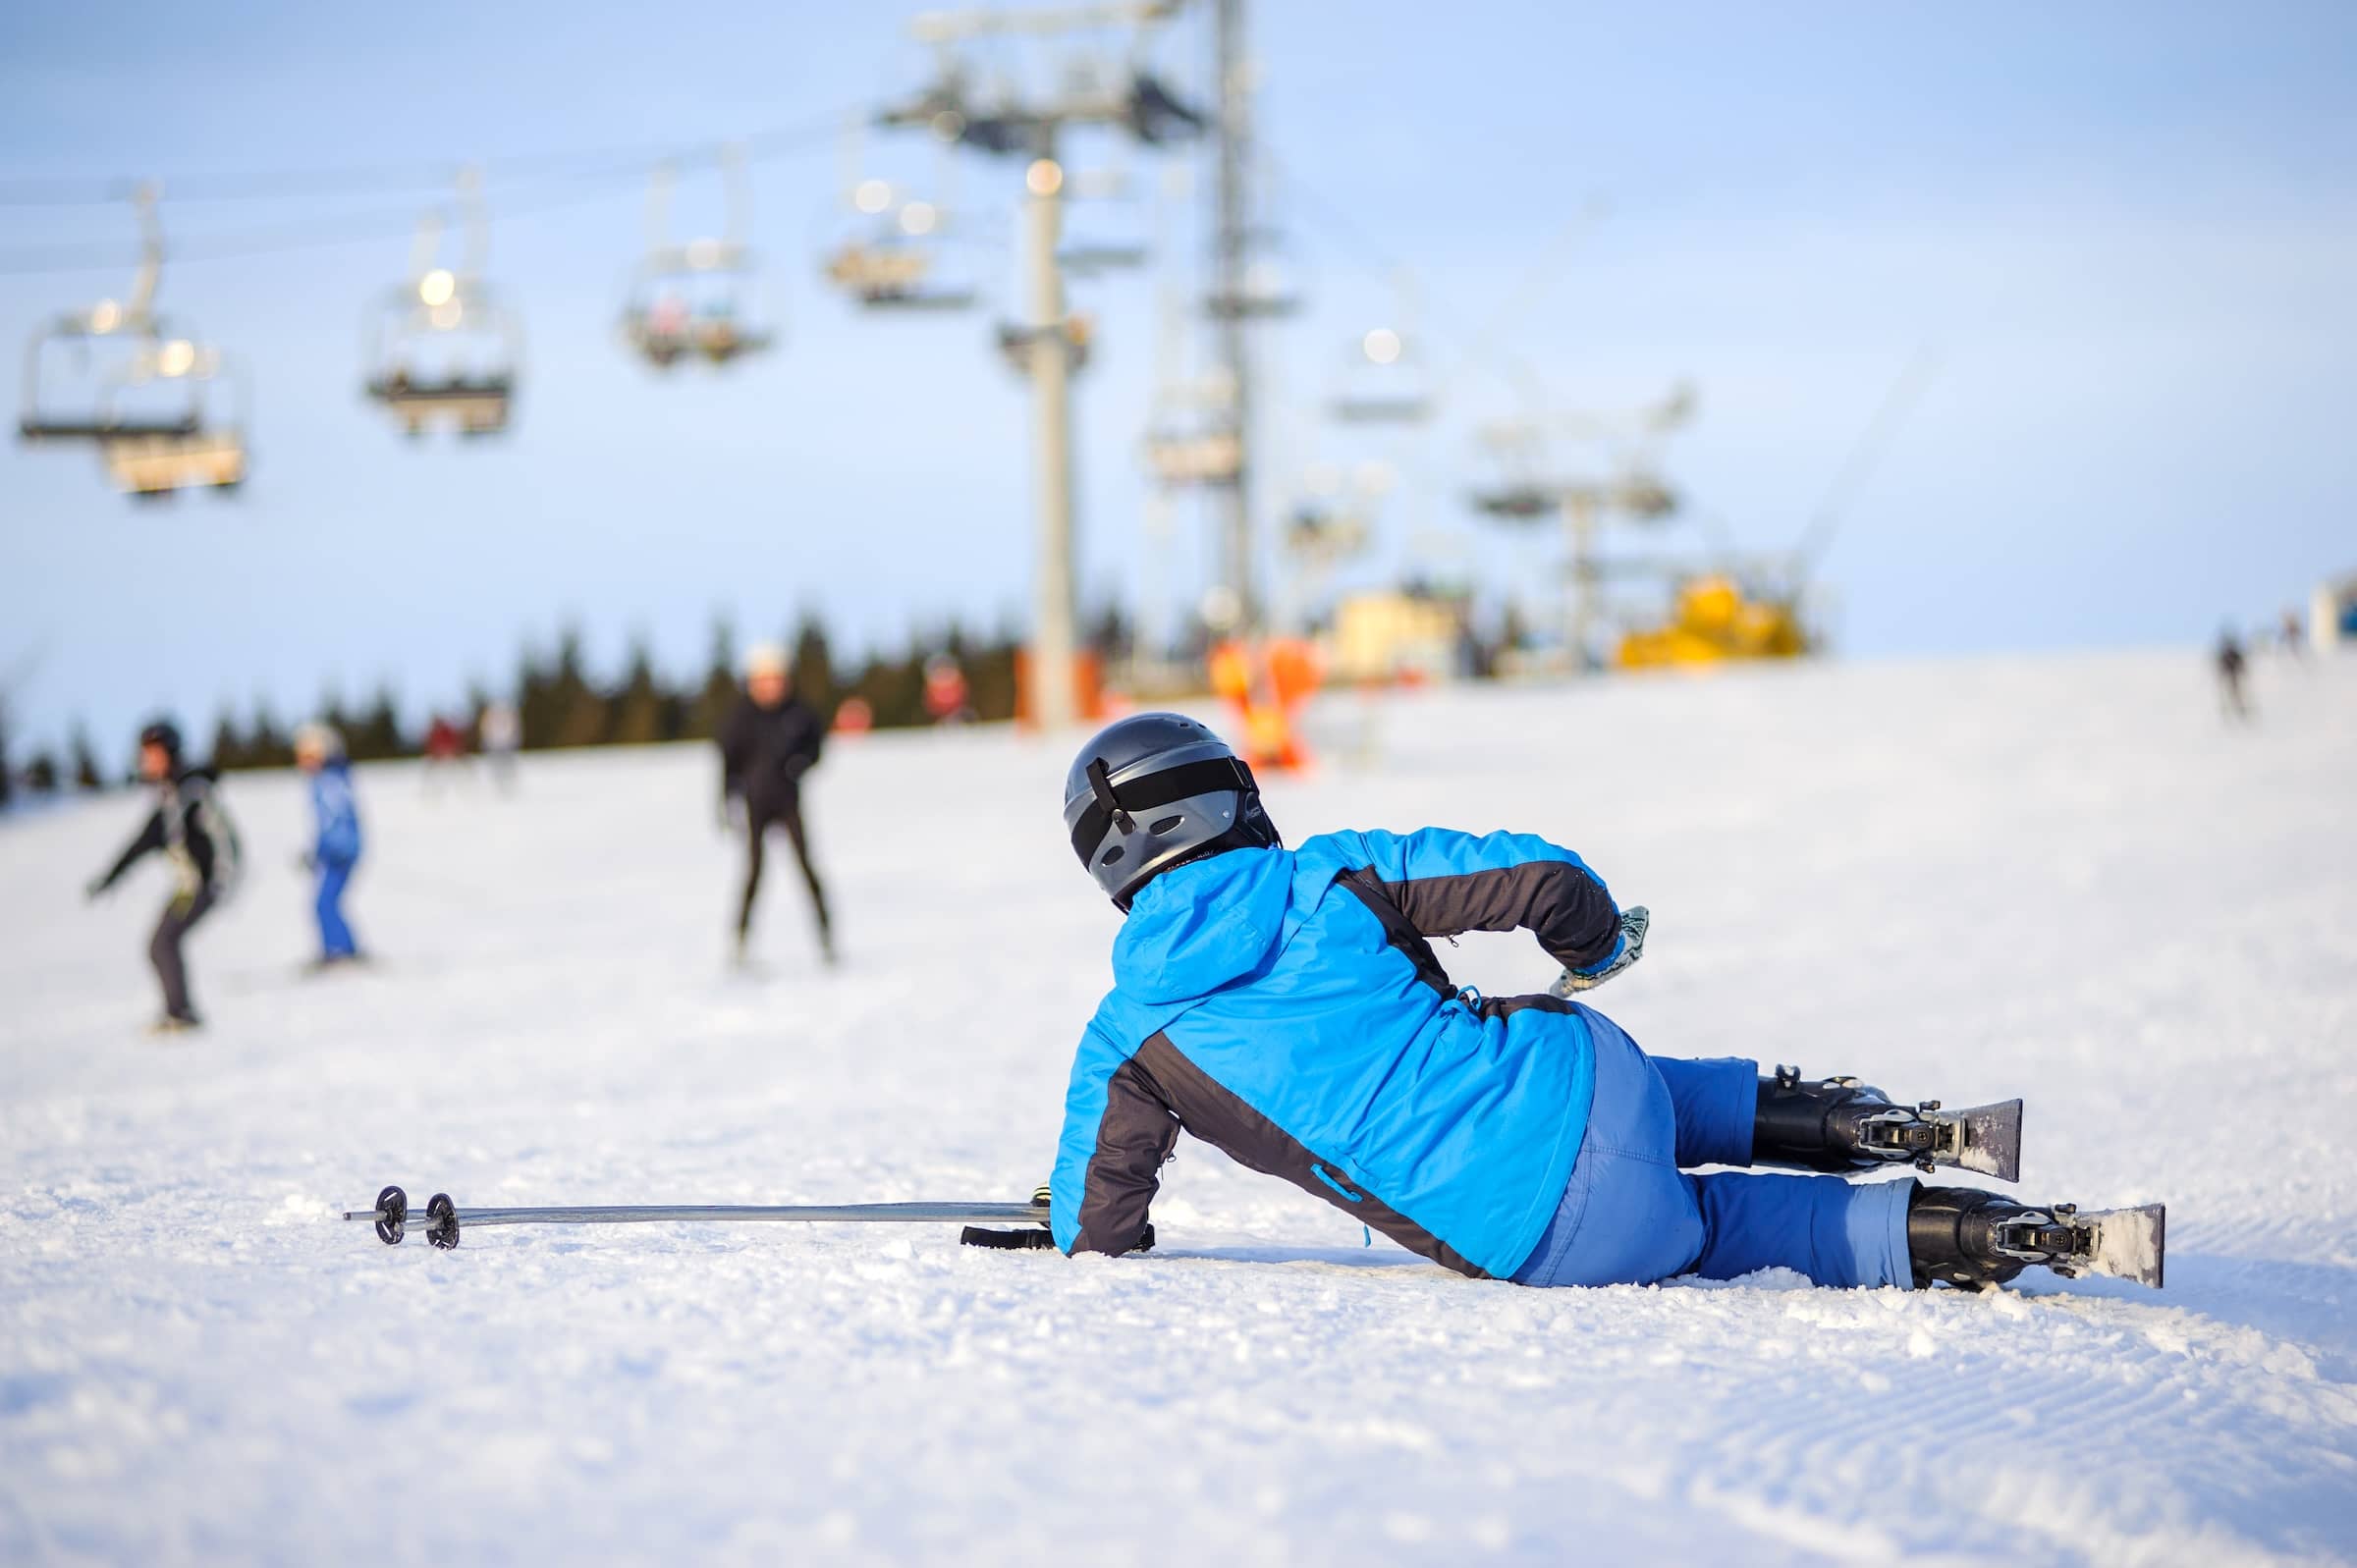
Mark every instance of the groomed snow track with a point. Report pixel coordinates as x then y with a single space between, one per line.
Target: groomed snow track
2062 877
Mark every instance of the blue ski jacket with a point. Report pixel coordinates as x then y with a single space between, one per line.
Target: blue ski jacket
338 815
1285 1006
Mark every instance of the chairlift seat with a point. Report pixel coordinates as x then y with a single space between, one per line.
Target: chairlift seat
1211 457
888 298
38 428
1403 410
1108 257
477 405
870 269
156 465
1519 503
720 339
1249 306
1015 341
402 390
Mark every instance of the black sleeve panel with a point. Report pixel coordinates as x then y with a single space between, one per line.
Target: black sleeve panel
193 834
150 839
1556 900
1126 1171
808 737
730 737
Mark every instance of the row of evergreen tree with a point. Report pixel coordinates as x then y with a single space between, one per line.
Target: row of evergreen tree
557 702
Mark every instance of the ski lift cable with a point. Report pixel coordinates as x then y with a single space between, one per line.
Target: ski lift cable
63 190
349 228
1872 443
385 222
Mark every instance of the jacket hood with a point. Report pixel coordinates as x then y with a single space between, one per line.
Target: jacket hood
1195 929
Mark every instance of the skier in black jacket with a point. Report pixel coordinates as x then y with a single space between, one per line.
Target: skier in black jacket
190 828
767 742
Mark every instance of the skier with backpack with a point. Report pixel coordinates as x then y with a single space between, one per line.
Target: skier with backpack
1285 1006
194 832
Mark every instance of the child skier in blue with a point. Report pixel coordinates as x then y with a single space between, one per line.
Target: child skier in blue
336 846
1286 1006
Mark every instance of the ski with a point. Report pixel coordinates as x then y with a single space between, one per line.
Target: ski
445 1220
1981 1138
2125 1243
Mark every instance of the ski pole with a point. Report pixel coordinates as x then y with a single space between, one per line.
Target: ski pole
391 1216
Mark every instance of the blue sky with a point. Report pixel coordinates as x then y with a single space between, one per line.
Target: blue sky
2127 232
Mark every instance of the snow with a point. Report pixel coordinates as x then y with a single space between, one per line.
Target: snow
2060 878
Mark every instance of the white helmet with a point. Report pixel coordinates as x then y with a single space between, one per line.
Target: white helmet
320 738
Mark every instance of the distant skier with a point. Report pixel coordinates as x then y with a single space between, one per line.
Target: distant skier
336 841
500 733
1286 1006
193 828
443 750
768 741
2233 668
2291 634
947 694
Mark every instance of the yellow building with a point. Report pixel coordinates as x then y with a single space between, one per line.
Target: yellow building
1713 621
1381 635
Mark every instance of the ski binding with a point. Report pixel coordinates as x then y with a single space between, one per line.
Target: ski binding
1982 1138
2125 1243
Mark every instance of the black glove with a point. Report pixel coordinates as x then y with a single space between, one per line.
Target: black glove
1634 923
1034 1240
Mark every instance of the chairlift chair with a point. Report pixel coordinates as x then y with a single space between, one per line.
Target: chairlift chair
901 256
1325 532
424 373
1179 454
1103 228
73 337
427 339
695 301
1383 383
152 455
150 446
1265 294
702 298
1517 501
1090 259
1191 436
1016 341
151 467
128 329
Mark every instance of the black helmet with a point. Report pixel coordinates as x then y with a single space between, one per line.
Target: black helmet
162 733
1154 790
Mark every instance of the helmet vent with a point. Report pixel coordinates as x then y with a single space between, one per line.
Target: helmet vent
1111 856
1167 824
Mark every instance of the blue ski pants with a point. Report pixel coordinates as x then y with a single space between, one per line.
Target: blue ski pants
335 936
1630 1216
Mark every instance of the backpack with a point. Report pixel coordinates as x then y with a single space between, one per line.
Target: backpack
229 854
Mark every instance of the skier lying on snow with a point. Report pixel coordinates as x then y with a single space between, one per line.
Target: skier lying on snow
1285 1006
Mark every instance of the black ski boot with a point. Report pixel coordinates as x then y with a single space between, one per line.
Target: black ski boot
1977 1239
1840 1124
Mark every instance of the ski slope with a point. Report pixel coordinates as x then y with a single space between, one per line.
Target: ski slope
2061 877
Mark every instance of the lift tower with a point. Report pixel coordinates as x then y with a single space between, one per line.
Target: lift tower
1047 344
1233 240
